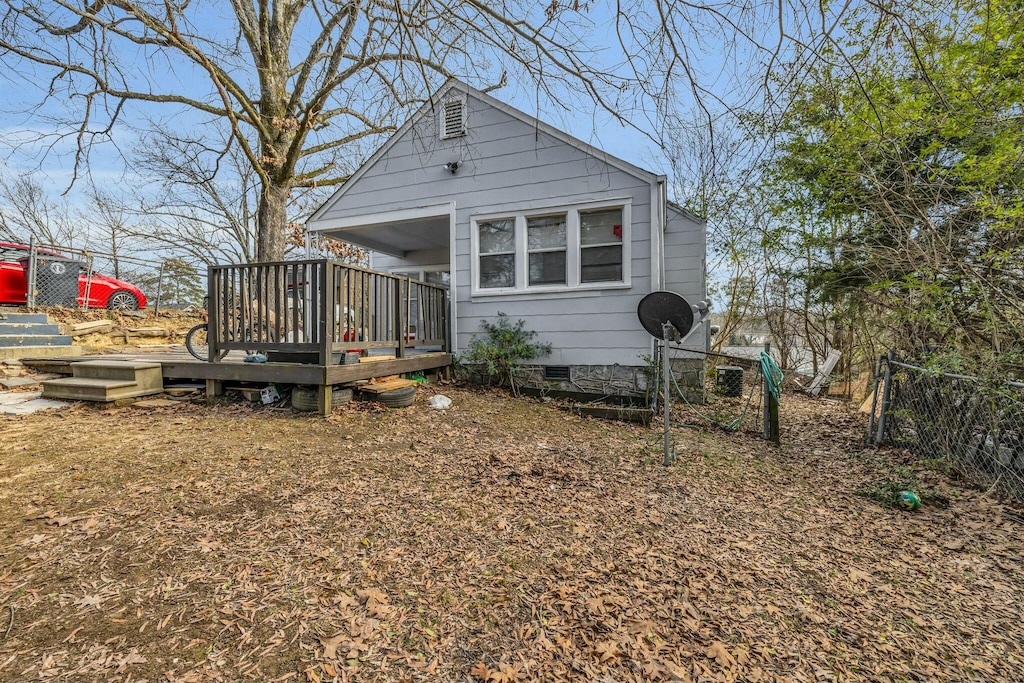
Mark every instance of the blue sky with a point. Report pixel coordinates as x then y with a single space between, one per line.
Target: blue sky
50 163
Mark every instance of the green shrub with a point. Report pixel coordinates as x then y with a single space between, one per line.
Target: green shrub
501 350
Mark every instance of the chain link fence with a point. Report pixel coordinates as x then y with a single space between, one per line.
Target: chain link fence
86 278
973 425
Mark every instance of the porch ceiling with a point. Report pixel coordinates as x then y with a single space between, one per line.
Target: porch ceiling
397 238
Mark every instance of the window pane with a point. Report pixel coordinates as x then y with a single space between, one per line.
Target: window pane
438 277
545 232
498 271
547 268
601 227
601 264
497 236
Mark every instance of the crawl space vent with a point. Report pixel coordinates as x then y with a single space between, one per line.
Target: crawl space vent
453 118
556 372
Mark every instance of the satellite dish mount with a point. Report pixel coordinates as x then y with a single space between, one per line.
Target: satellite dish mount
670 318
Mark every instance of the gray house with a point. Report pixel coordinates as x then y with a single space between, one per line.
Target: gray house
518 217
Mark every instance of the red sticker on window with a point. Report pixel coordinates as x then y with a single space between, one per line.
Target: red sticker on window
617 231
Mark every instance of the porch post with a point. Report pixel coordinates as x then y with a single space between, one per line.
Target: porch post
326 282
213 314
401 324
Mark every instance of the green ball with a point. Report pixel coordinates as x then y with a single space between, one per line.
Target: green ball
908 500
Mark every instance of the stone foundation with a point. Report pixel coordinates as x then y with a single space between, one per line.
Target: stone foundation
624 381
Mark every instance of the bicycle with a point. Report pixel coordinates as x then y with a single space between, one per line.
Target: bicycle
197 344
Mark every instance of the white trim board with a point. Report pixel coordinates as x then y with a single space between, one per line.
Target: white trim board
384 217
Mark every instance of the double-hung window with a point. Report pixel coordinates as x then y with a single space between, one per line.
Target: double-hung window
553 249
497 253
601 245
545 247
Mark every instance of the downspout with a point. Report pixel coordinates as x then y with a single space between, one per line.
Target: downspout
659 210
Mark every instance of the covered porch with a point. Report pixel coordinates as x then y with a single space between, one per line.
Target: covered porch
415 243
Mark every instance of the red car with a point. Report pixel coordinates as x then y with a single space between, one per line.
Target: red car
104 292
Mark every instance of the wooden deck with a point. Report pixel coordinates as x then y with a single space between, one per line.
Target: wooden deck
310 313
178 365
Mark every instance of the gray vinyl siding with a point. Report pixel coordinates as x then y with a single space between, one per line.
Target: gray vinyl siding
412 261
685 248
510 165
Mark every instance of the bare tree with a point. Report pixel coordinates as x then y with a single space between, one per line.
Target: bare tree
28 210
290 83
109 224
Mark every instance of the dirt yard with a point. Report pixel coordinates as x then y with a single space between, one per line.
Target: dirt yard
502 540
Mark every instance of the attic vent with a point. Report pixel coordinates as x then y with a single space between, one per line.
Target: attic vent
453 118
556 372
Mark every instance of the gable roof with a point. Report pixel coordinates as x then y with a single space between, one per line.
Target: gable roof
686 213
455 84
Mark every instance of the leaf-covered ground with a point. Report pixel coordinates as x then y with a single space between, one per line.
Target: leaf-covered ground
502 540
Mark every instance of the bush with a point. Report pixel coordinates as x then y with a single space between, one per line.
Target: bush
499 353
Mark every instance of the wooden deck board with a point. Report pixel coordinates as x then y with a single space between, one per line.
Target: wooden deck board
179 365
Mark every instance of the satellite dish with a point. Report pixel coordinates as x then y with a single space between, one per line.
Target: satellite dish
658 308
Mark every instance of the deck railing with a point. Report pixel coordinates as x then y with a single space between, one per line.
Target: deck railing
321 308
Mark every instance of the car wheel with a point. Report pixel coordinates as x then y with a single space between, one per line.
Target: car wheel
122 301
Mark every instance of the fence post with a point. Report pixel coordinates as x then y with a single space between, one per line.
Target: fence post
159 289
30 292
886 398
869 437
766 395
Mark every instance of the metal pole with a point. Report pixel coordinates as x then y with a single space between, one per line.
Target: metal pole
874 401
666 332
159 289
766 396
886 398
30 292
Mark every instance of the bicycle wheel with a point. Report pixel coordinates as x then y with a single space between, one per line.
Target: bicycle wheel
195 342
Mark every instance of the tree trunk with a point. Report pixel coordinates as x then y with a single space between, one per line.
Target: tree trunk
272 223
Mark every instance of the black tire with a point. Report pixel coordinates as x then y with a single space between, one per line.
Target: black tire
123 301
305 398
399 398
195 342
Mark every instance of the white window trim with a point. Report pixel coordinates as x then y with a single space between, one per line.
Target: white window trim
573 249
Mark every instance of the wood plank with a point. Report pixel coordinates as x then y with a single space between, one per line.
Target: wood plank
339 374
375 359
617 413
865 407
381 387
153 403
823 372
91 326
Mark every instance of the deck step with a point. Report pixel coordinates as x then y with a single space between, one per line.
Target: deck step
15 340
89 389
39 352
29 328
21 317
107 380
130 370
